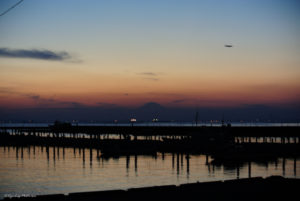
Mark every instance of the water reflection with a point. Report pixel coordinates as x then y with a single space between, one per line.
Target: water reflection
17 153
237 171
249 169
47 151
58 152
22 153
173 159
91 158
20 166
177 167
187 165
127 163
135 163
53 151
83 157
295 167
98 154
180 159
283 166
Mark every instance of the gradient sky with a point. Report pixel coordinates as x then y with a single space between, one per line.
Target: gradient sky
127 53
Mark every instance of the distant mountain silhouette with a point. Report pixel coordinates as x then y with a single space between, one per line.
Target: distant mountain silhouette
149 111
152 110
151 106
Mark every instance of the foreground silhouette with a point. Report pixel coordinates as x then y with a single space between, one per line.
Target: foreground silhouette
271 188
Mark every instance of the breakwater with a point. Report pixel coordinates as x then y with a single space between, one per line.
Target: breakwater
223 142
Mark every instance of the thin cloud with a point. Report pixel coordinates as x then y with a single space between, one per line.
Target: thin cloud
41 101
179 101
34 54
44 102
148 73
152 79
149 76
6 90
34 97
106 105
72 104
50 102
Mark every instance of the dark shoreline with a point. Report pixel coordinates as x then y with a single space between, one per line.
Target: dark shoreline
258 188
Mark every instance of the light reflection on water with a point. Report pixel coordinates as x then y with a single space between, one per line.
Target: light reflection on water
41 170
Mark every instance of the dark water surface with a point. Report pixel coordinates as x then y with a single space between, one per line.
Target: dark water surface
188 124
39 170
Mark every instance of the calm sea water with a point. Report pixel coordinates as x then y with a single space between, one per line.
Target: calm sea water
155 124
37 170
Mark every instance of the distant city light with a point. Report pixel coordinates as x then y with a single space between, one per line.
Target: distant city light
132 120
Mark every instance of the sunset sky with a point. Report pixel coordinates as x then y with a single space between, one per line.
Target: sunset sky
59 53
